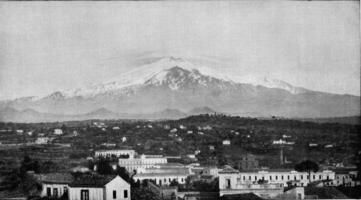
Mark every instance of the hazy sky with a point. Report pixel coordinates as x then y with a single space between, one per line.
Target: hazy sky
49 46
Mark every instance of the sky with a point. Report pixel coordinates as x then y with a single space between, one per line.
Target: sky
52 46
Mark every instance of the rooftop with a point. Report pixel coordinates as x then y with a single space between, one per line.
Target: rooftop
91 181
65 178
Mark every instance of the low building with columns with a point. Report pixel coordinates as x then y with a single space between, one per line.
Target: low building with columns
115 152
267 184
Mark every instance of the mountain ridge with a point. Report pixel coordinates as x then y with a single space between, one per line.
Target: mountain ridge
179 84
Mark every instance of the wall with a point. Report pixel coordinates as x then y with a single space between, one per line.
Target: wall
161 179
94 193
60 188
118 185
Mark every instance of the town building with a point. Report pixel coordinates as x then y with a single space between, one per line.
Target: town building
86 187
55 184
282 177
233 182
346 178
58 131
42 140
140 163
115 152
164 174
230 183
99 188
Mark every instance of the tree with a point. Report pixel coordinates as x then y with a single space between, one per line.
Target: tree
307 166
174 183
103 167
28 165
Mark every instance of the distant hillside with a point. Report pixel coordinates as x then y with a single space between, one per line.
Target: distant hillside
342 120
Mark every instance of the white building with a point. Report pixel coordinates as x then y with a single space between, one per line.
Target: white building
55 184
226 142
110 188
115 152
345 178
164 174
141 163
283 177
58 131
89 187
182 127
232 181
42 140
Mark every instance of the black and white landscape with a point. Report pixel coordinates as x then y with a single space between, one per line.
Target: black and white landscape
180 100
169 88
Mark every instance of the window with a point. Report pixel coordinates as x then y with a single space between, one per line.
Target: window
228 183
270 177
244 178
114 194
282 177
125 193
48 191
84 194
55 192
301 176
314 177
249 178
288 177
65 189
276 177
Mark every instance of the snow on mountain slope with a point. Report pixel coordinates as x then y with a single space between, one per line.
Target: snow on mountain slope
156 72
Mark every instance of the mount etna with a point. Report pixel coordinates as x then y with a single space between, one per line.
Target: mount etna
169 88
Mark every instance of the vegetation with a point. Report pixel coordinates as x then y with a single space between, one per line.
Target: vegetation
307 166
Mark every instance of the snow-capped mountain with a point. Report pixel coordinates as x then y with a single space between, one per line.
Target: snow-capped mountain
160 71
176 83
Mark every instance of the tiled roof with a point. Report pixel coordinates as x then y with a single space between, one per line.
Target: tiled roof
228 169
91 181
65 178
160 174
245 196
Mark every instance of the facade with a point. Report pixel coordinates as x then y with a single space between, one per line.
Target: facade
58 131
345 178
226 142
42 140
89 187
162 178
115 152
267 184
285 177
141 163
55 184
99 189
164 174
